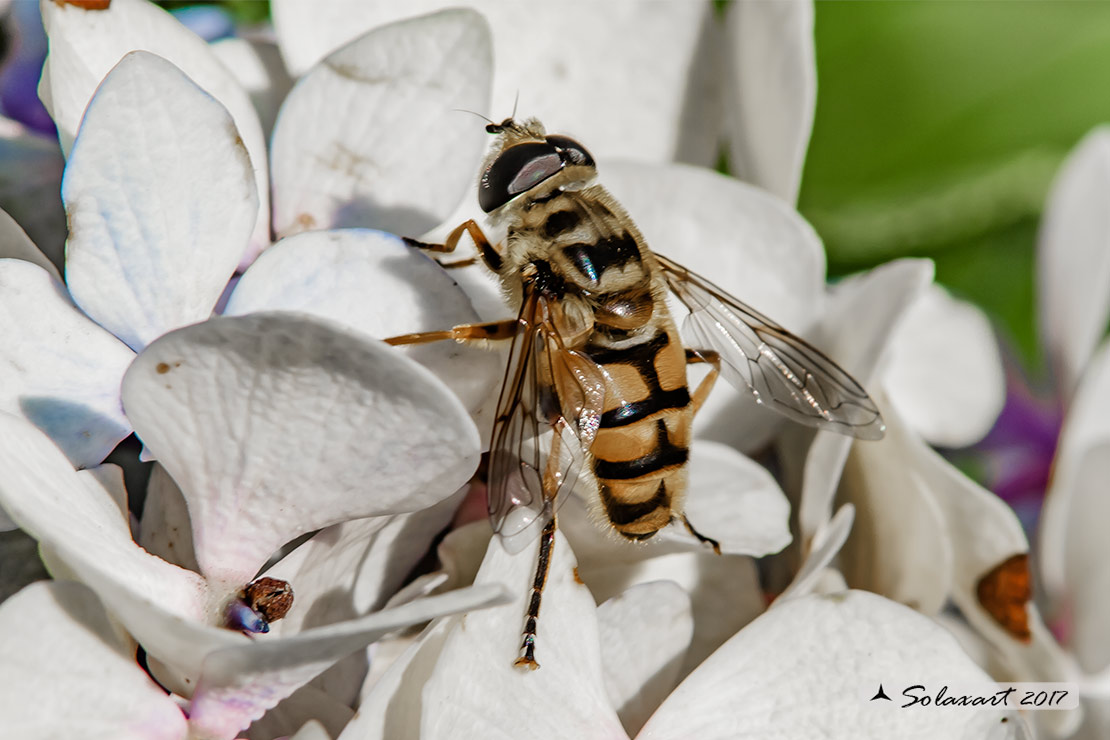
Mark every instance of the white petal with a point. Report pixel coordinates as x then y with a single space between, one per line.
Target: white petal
371 282
257 65
53 503
749 243
240 683
20 564
814 663
1073 263
824 546
1096 718
165 529
250 413
900 525
564 698
29 185
312 730
945 373
160 200
1042 661
307 707
1080 546
724 589
986 533
106 481
65 674
864 312
86 44
663 81
353 568
638 679
823 467
368 137
392 708
734 500
772 92
15 243
308 713
461 552
61 371
746 241
1071 543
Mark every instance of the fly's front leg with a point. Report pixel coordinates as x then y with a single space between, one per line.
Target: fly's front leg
463 333
489 253
713 359
527 657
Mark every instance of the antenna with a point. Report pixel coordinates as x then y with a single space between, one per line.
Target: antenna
464 110
515 101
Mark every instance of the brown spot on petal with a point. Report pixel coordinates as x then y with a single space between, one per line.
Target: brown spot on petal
162 368
86 4
306 222
578 578
1004 591
270 597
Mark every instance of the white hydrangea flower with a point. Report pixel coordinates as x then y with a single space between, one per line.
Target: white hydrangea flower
157 233
790 671
243 413
1073 273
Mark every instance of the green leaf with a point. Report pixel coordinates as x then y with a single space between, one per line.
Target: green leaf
938 130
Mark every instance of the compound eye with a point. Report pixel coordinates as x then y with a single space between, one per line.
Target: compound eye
571 151
516 170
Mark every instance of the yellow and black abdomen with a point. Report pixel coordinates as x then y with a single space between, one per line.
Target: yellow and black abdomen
640 451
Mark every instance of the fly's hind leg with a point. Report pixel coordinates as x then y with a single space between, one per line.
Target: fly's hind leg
713 359
696 401
527 657
551 472
489 253
701 537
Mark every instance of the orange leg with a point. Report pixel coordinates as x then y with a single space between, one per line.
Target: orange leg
463 333
489 253
458 263
527 657
700 394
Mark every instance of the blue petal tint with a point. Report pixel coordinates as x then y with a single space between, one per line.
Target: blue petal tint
208 22
244 619
19 75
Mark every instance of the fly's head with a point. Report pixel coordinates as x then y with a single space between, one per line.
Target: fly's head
527 164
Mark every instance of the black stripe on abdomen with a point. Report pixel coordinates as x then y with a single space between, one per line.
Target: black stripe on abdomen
665 455
657 401
640 356
621 513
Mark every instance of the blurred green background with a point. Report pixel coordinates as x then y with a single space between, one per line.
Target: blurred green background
939 128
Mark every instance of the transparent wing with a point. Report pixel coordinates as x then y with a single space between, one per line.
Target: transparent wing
782 371
548 411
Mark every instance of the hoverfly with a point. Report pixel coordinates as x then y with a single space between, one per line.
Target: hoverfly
595 386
